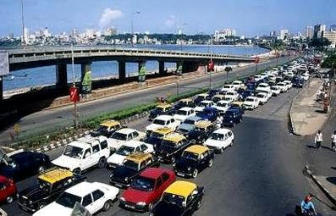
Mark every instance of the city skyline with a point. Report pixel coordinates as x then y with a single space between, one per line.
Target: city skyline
168 18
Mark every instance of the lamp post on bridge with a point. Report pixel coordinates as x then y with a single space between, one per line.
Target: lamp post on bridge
23 42
132 25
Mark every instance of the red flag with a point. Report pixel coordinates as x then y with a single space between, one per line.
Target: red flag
74 94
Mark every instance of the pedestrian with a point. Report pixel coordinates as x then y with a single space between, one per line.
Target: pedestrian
318 139
333 141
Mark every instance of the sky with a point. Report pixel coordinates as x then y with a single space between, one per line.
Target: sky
248 17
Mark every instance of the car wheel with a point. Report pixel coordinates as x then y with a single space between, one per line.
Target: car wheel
195 173
77 171
198 205
41 169
210 163
9 199
102 162
107 205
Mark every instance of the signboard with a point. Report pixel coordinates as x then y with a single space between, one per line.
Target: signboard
4 63
74 94
142 73
87 82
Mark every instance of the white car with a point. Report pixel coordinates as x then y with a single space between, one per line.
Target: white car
233 95
258 78
267 92
222 106
238 84
162 121
128 148
120 137
283 87
263 87
306 76
93 196
220 139
276 90
251 103
184 113
83 154
228 88
288 83
263 98
203 104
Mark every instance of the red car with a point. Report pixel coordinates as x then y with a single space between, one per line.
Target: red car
147 188
7 189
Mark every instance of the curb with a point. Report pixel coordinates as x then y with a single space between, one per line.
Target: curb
328 194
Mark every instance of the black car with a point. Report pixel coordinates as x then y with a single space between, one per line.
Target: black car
193 160
172 147
180 199
232 116
161 109
23 164
133 165
201 132
187 102
49 186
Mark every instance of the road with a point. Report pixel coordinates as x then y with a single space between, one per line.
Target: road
260 175
45 120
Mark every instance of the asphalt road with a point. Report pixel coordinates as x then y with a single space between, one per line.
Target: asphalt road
260 175
47 119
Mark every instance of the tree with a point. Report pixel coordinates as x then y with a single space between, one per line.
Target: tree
330 61
319 43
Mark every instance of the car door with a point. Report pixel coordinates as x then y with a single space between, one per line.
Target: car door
98 199
88 203
87 160
144 148
3 192
96 154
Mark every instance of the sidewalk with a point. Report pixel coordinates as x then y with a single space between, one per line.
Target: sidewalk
306 114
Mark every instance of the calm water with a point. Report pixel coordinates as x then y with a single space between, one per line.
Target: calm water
47 75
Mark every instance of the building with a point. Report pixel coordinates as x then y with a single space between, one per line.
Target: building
273 33
309 32
333 28
284 34
331 36
319 30
222 34
110 31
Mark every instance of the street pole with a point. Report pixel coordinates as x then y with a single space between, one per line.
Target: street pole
74 85
23 42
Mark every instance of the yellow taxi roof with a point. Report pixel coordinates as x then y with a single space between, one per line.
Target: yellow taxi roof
138 157
181 188
203 124
174 137
164 130
110 123
197 149
55 175
163 105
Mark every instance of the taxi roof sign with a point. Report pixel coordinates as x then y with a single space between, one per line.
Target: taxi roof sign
55 175
181 188
197 149
138 157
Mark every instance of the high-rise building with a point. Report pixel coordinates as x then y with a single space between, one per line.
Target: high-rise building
25 35
319 30
309 32
333 28
284 34
222 34
331 36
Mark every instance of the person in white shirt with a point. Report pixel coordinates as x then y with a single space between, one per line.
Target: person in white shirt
333 141
318 139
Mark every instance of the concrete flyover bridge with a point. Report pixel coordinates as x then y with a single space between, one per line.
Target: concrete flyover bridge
30 57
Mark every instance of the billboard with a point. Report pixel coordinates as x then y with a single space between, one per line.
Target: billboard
4 63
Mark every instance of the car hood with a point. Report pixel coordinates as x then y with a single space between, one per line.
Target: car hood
67 162
122 172
54 209
153 127
183 163
135 196
33 193
211 142
116 159
167 209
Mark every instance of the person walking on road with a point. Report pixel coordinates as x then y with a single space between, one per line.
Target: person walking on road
307 206
318 139
333 141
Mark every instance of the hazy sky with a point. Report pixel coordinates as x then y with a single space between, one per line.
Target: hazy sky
248 17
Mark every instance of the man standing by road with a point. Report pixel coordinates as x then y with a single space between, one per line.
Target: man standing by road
318 139
333 141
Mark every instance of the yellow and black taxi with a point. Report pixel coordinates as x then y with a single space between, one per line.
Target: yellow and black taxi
50 185
172 147
133 165
161 109
155 138
107 128
202 131
185 102
181 198
193 160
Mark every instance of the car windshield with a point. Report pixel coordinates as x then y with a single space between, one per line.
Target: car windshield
45 186
222 104
250 99
260 96
190 155
230 93
173 199
204 104
143 184
68 200
160 109
168 145
217 136
131 165
182 112
119 136
200 129
183 130
73 151
189 121
102 129
274 88
156 135
159 122
125 150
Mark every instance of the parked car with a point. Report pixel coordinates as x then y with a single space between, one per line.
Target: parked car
276 90
186 102
93 196
233 95
107 128
146 189
218 97
228 88
181 198
222 107
49 186
283 87
83 154
188 125
201 97
298 82
171 147
208 113
201 132
133 165
23 164
251 103
193 160
238 85
220 139
184 113
232 116
156 137
288 83
162 121
245 93
262 97
203 104
122 136
117 158
8 190
263 86
161 109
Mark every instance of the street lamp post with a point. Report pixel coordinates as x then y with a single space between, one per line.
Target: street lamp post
132 26
23 26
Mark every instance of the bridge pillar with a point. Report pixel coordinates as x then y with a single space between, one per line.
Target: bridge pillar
86 77
61 76
142 71
189 66
162 68
122 70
